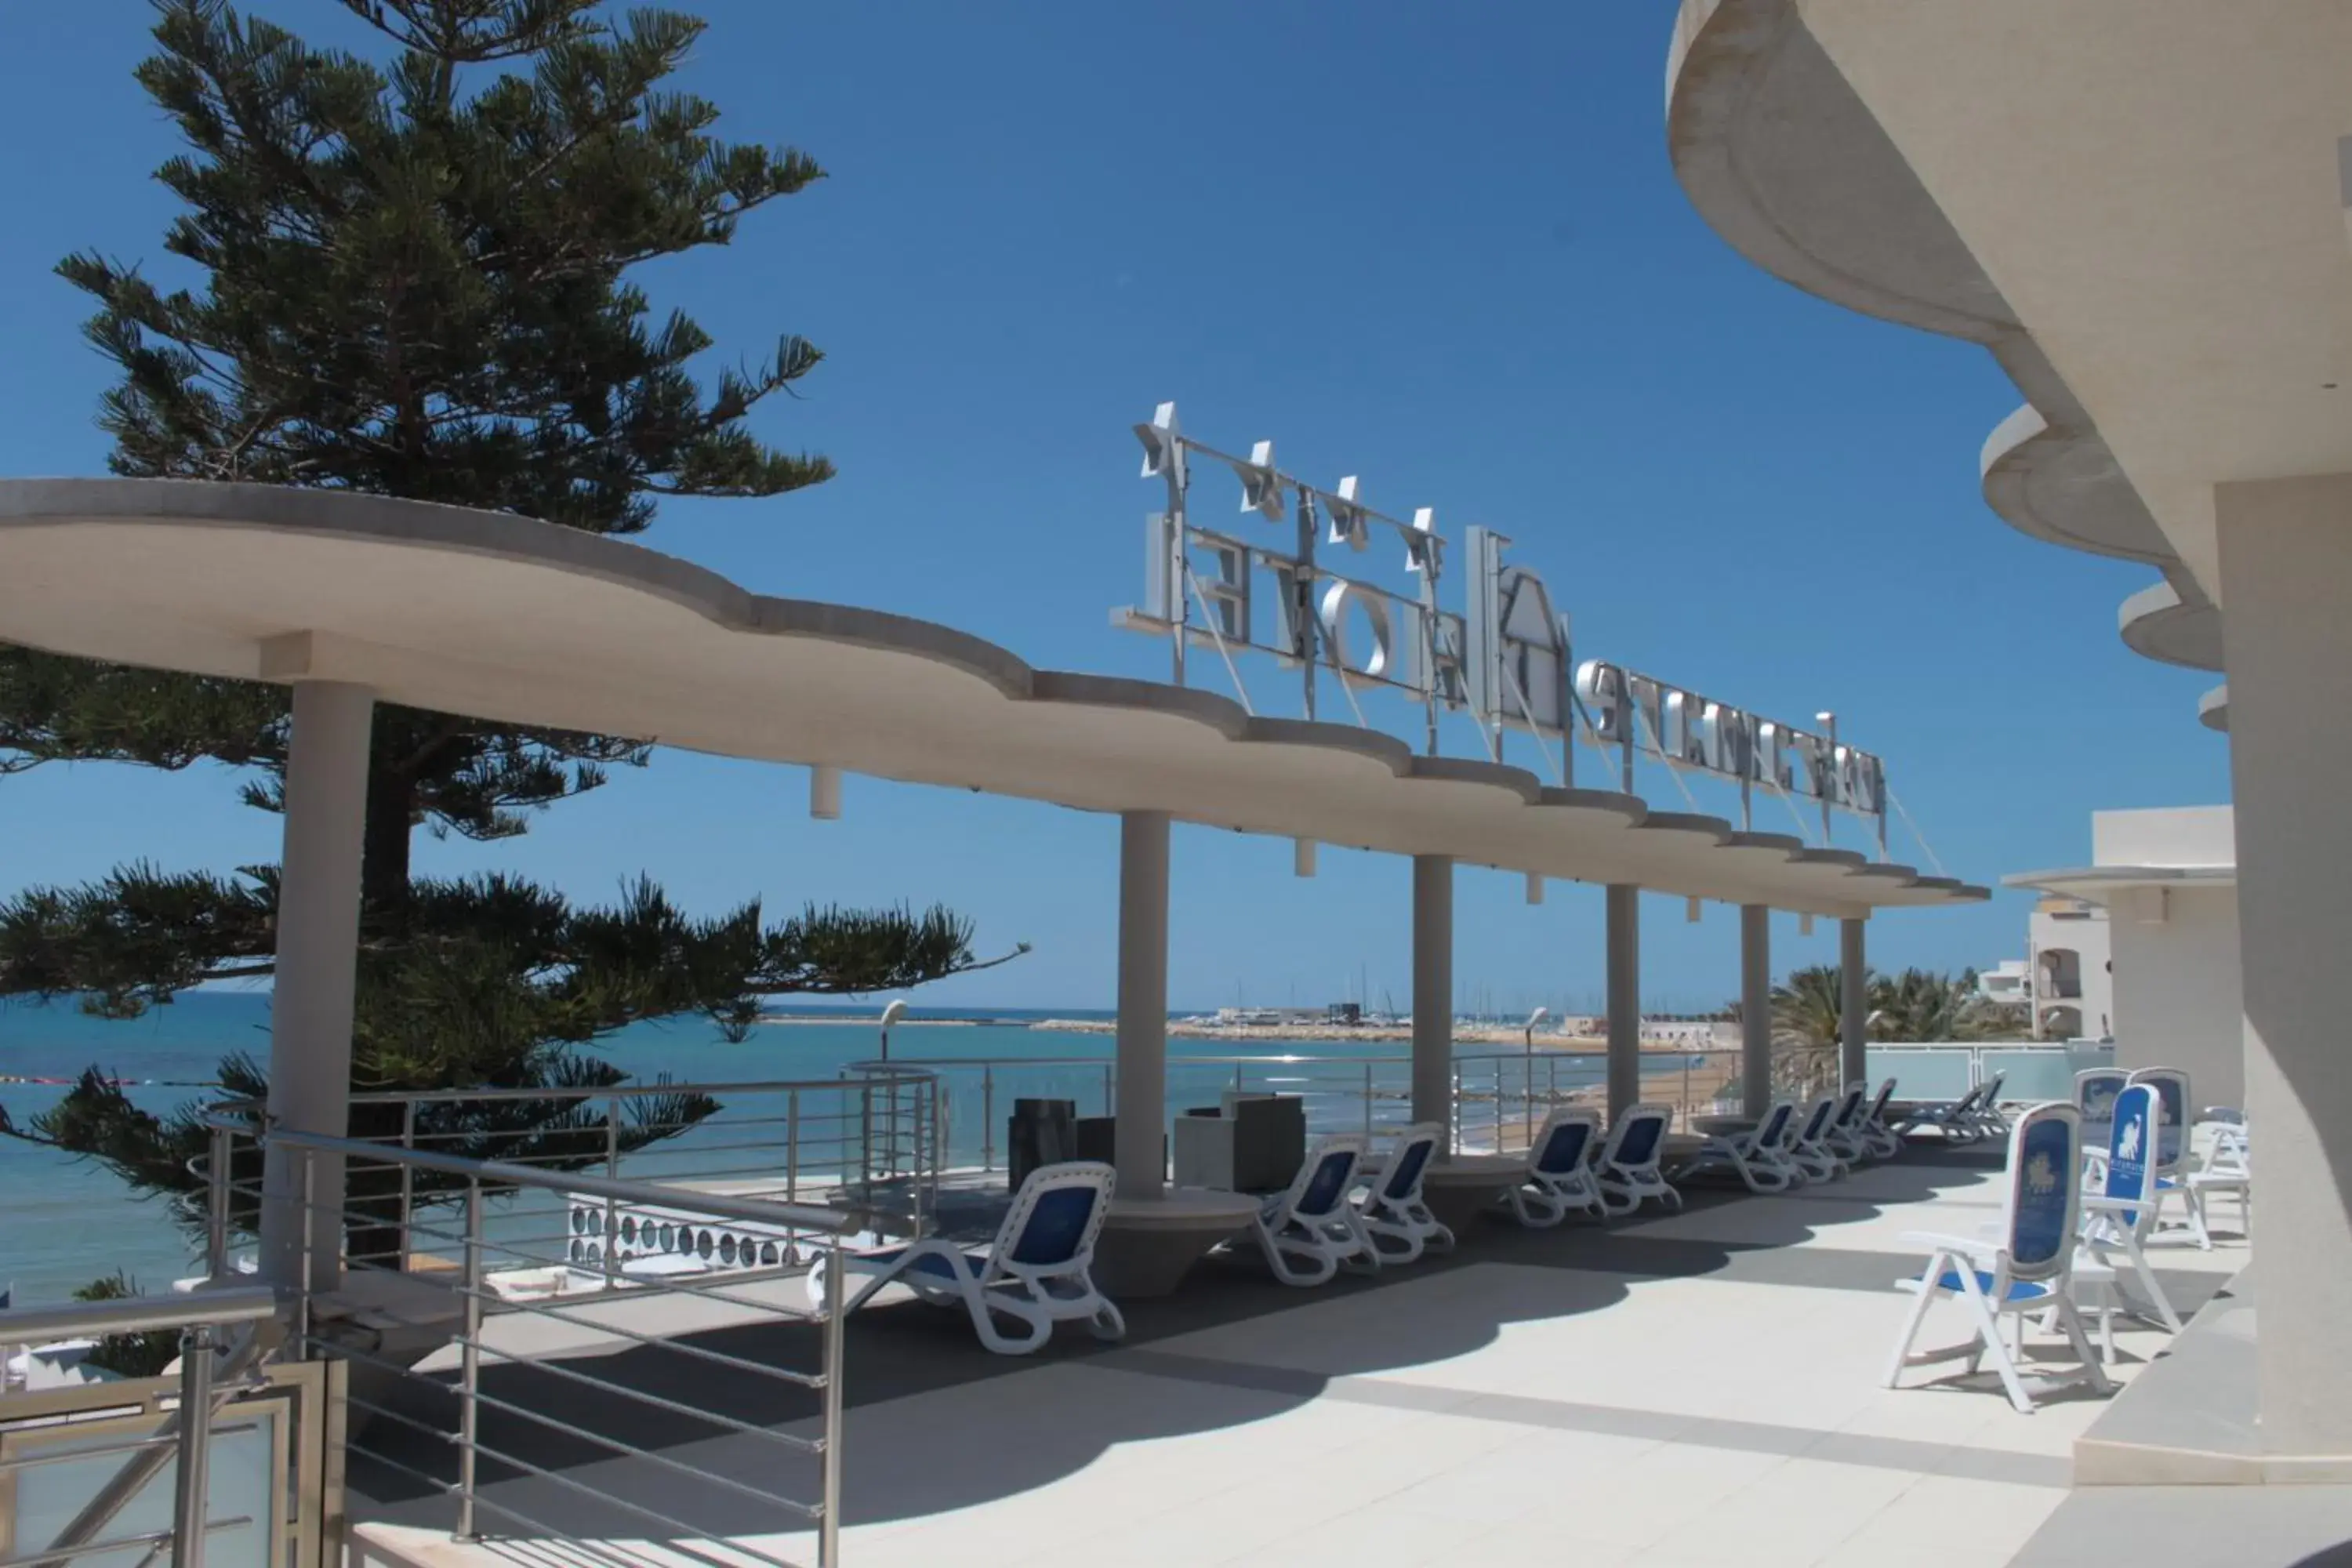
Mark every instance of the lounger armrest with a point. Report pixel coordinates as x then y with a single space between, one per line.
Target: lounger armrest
2114 1205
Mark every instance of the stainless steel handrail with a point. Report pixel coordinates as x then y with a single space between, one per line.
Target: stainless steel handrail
136 1315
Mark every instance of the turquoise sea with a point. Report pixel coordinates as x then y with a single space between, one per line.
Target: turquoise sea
64 1222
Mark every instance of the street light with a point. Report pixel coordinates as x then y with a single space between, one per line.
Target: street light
891 1015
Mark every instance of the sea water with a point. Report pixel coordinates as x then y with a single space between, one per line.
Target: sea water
64 1221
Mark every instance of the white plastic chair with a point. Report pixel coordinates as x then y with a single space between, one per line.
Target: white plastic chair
1884 1142
2169 1165
2228 1169
1808 1147
1628 1174
1393 1210
1307 1232
2094 1099
2025 1270
1755 1155
1036 1272
2119 1213
1560 1180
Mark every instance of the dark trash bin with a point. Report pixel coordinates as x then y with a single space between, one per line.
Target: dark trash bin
1039 1132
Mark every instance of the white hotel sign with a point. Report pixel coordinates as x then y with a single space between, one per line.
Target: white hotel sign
1504 657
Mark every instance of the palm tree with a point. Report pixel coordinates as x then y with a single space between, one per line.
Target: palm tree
1808 1020
1916 1005
1920 1006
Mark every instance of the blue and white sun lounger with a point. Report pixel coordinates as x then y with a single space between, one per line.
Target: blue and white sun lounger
1756 1156
1628 1175
1036 1272
1808 1148
1844 1134
2169 1167
1307 1232
1960 1121
1395 1218
1883 1142
1560 1180
2026 1269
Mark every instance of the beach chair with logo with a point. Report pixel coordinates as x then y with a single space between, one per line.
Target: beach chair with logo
1628 1173
1308 1231
2024 1269
1396 1218
1036 1273
2172 1164
1758 1155
2094 1097
1560 1177
2119 1212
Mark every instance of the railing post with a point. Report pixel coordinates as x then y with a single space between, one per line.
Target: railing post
866 1139
987 1120
828 1526
309 1254
1111 1101
407 1179
791 1146
1686 1099
217 1198
1367 1101
471 1355
612 1209
191 1491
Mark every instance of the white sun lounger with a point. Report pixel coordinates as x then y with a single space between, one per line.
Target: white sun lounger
1395 1218
2094 1097
1843 1135
1628 1173
2025 1270
1758 1155
1036 1272
1560 1180
1957 1120
1884 1142
2170 1165
1308 1231
1808 1148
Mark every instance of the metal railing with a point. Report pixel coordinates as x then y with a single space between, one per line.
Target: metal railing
502 1359
181 1441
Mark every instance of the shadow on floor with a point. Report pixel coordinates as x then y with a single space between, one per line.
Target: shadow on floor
1019 1424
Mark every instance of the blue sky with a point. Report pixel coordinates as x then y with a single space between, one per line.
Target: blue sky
1440 248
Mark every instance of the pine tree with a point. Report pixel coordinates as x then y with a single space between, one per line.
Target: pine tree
413 278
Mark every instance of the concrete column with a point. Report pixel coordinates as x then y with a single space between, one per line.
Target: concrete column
2286 549
1755 1010
318 952
1139 1140
1853 1000
1433 992
1625 998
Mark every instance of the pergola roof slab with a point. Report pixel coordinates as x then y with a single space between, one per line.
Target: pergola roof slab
509 619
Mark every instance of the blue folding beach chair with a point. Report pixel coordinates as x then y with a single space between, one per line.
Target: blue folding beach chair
1560 1171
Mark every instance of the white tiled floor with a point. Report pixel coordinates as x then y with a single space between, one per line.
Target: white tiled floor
1504 1412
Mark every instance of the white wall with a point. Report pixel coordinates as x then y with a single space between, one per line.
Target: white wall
2177 997
2171 835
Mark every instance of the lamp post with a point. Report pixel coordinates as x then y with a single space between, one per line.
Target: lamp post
891 1015
1538 1017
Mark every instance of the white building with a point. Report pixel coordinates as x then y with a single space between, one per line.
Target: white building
2073 979
2139 208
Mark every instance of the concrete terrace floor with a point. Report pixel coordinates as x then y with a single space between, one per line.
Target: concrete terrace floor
1681 1389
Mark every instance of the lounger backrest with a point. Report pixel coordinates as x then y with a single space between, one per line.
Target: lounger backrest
2045 1150
1054 1218
1776 1126
1412 1153
1850 1105
1634 1144
1817 1121
1565 1140
1989 1097
2131 1146
2096 1089
2171 1085
1878 1105
1323 1181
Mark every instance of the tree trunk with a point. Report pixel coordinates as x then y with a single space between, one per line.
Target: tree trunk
391 821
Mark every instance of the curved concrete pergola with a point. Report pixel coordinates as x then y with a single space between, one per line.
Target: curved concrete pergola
354 599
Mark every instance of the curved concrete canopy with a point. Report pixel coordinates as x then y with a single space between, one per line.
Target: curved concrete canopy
1791 166
2159 623
2213 708
506 618
2097 884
